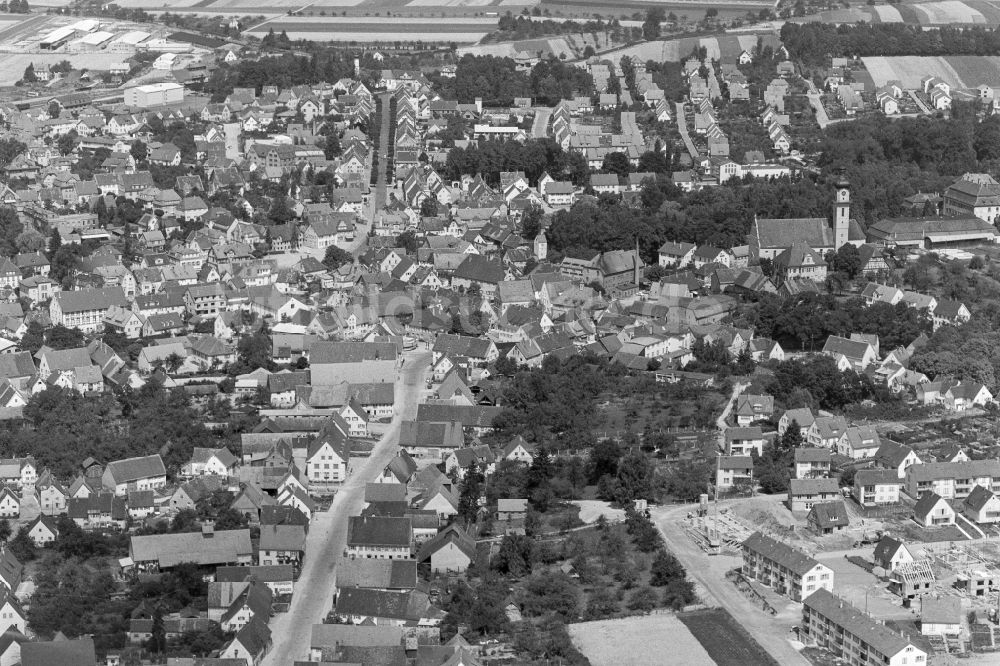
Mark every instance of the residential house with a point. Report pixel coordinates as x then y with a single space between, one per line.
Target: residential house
804 493
854 636
787 570
932 510
377 537
742 441
451 551
141 473
952 480
874 487
981 506
811 463
828 517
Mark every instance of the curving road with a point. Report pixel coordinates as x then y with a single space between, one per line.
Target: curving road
291 631
709 571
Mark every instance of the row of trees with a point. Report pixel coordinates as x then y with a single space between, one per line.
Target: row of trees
534 157
65 427
804 322
496 81
814 43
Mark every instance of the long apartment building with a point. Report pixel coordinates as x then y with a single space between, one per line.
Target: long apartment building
855 636
787 570
952 480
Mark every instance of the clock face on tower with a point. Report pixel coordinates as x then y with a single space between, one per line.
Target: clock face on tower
843 195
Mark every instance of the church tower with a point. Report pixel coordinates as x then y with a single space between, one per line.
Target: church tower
541 246
841 213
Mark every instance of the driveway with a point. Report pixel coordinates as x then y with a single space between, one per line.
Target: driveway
292 631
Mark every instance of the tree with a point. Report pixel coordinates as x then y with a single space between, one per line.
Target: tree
679 593
408 241
792 437
34 337
472 490
55 242
602 603
664 569
651 26
616 163
514 556
335 257
604 457
62 337
429 207
635 479
846 260
139 151
688 480
551 592
66 143
29 74
23 546
5 530
642 599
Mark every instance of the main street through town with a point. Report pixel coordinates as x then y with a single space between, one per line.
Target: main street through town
327 538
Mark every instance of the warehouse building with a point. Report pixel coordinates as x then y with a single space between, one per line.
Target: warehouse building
154 94
94 41
128 42
56 39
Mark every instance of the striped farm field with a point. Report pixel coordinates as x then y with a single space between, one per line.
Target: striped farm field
956 71
386 29
931 13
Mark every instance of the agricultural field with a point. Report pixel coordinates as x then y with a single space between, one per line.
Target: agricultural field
726 642
388 29
12 65
934 13
555 46
725 48
956 71
693 10
639 641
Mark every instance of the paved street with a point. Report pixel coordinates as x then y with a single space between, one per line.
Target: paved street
709 571
382 158
328 534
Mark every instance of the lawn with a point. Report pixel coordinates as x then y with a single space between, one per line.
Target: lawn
726 642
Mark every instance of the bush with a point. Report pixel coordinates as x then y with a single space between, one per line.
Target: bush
643 599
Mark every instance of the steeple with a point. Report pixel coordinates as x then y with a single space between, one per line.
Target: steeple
841 213
541 246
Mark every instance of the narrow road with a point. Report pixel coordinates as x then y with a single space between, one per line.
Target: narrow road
817 104
683 130
720 422
540 125
709 571
920 103
292 631
383 154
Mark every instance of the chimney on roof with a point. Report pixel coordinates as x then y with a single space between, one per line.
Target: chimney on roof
208 529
